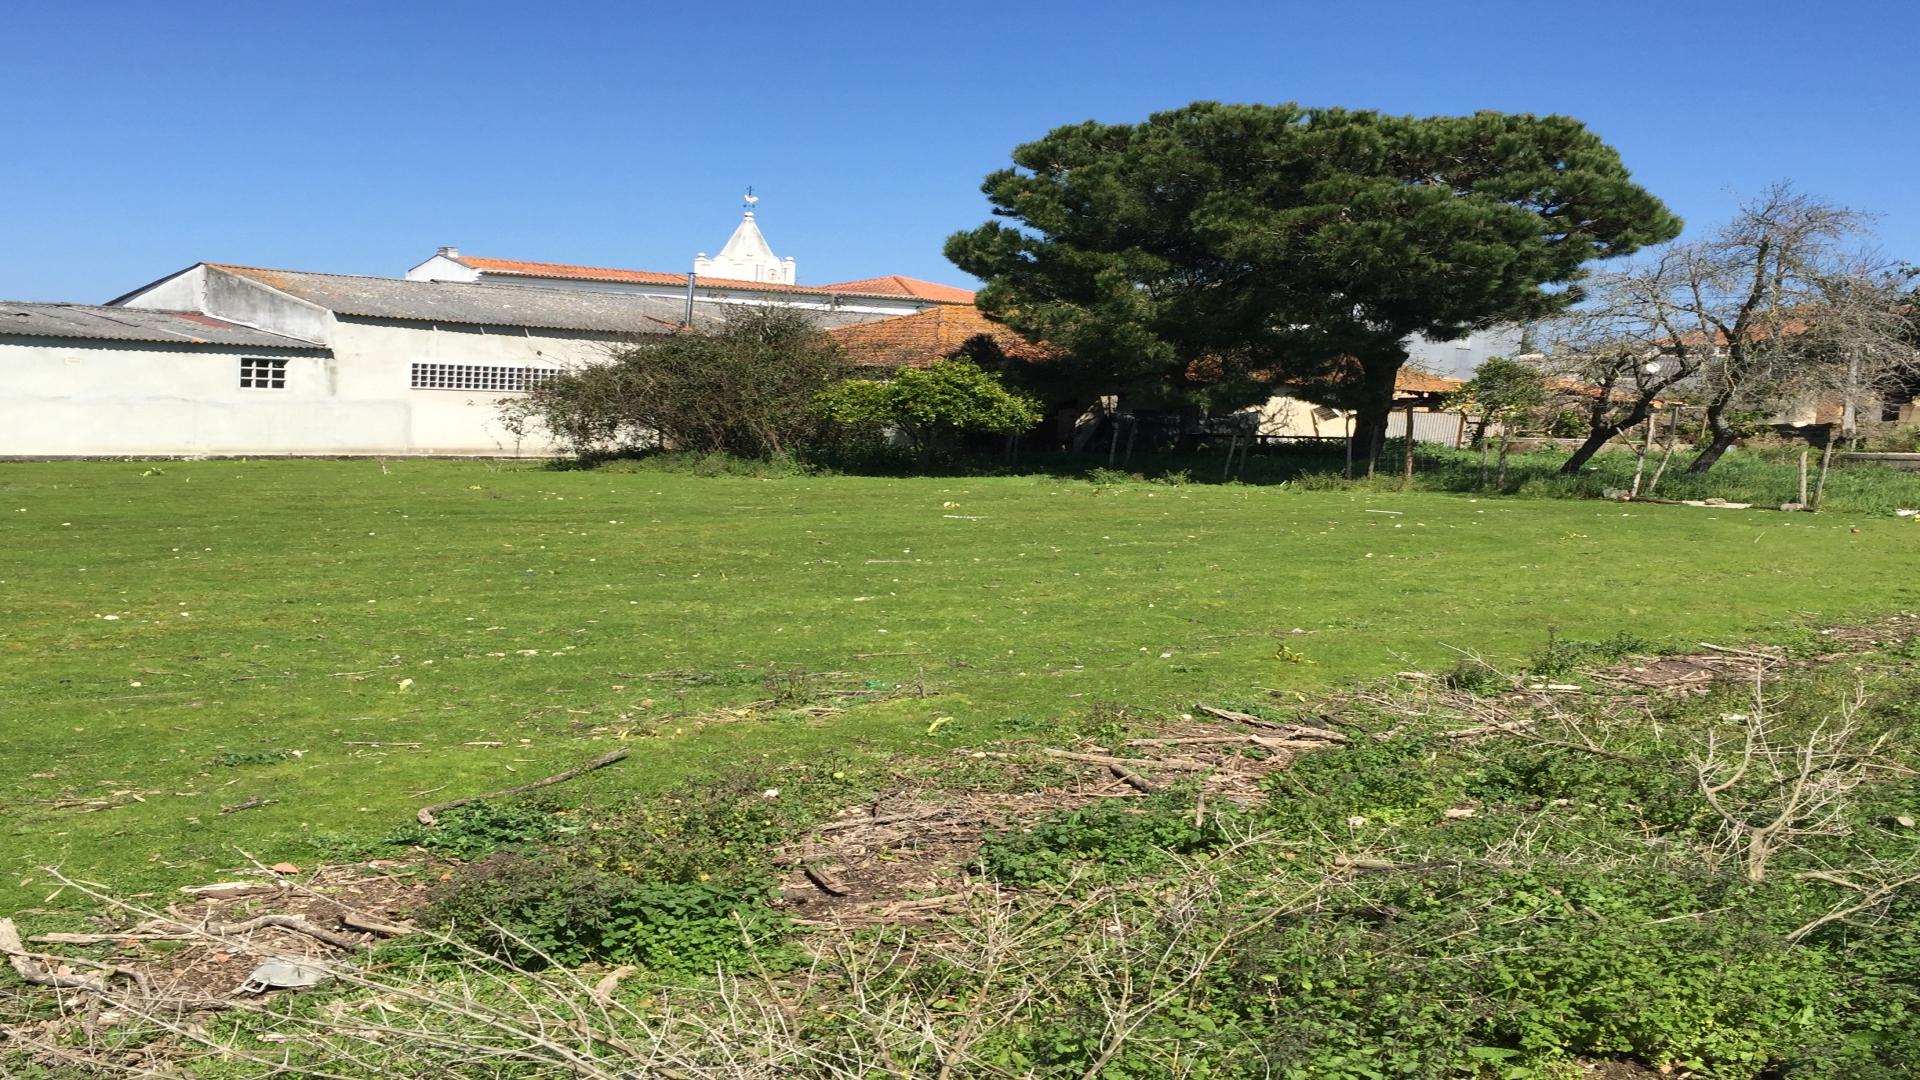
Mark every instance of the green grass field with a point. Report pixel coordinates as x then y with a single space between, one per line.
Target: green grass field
191 636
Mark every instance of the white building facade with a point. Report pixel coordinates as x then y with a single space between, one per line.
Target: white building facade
234 360
287 362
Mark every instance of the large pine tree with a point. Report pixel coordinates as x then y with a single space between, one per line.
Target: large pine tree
1216 249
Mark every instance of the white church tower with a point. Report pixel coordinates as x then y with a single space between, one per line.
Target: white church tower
747 256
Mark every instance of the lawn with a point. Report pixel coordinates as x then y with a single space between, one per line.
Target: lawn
350 640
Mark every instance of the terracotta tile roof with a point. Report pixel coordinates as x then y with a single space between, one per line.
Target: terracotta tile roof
934 334
1410 381
897 285
891 288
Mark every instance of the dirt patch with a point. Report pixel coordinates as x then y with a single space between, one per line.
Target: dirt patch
1699 672
903 859
1694 673
1888 632
197 953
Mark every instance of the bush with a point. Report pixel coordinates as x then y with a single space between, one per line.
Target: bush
745 389
929 405
531 910
482 828
678 885
1105 841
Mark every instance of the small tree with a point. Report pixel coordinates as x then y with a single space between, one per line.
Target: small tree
927 405
1503 392
747 388
1773 306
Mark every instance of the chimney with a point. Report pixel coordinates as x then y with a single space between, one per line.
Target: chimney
449 252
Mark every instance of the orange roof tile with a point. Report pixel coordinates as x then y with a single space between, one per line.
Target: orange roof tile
898 285
924 337
892 288
1411 381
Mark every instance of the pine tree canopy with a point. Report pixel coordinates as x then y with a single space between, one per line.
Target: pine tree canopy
1282 243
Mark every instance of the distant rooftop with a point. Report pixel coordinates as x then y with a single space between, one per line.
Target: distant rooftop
934 334
892 287
479 304
101 323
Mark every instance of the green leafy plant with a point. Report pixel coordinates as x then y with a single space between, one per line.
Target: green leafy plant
531 910
1101 842
929 405
482 828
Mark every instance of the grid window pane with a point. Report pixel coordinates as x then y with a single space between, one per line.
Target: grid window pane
478 377
260 374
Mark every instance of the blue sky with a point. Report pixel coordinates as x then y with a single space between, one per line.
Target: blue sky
356 138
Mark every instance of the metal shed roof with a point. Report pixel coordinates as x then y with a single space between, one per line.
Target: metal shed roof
485 305
95 322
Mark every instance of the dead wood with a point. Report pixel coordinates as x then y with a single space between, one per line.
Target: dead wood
1188 764
1134 780
375 926
232 890
1238 717
1510 727
283 922
1314 741
41 969
102 939
891 819
425 813
251 804
821 881
602 992
1776 658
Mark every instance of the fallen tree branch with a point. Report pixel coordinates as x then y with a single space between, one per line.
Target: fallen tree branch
885 819
1133 779
1774 657
1238 717
1511 727
1872 898
1157 763
602 992
425 814
40 968
374 926
284 922
821 881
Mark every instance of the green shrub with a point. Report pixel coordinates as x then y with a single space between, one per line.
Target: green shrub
531 910
482 828
1563 655
1105 841
717 831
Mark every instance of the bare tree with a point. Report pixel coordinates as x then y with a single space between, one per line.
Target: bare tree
1630 345
1779 303
1859 343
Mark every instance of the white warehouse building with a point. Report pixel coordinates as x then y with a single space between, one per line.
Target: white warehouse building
219 359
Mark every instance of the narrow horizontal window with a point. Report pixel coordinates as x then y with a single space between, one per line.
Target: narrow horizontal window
478 377
259 374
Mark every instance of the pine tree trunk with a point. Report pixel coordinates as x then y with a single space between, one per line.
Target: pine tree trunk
1374 409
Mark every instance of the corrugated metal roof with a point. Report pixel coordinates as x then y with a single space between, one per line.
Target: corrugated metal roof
95 322
484 305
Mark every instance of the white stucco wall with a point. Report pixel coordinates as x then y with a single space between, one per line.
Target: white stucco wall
97 398
84 398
